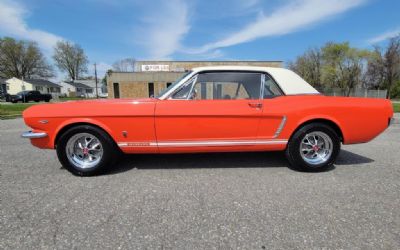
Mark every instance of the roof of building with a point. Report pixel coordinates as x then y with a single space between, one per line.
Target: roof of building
79 85
42 82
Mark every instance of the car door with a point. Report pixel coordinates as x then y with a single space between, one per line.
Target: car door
212 110
274 117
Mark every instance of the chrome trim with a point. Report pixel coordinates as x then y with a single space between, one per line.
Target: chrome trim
281 126
202 143
33 135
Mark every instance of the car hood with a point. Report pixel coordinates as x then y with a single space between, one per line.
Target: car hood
92 108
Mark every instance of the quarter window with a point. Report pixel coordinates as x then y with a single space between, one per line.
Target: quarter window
271 89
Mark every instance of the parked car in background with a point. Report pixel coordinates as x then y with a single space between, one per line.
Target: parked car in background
211 109
27 96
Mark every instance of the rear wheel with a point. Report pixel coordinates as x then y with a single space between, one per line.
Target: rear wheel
314 147
86 150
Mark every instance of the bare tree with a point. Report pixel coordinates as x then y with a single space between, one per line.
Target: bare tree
70 58
384 66
22 59
124 65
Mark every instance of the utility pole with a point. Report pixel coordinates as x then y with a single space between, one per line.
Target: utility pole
95 77
23 88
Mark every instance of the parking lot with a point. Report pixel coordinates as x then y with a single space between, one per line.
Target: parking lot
200 201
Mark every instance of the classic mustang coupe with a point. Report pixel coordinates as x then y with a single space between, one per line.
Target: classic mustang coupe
210 109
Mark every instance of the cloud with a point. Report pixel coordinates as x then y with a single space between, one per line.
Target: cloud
12 23
384 36
294 16
165 25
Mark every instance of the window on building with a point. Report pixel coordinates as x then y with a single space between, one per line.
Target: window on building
151 89
89 91
116 89
169 84
38 88
8 87
78 89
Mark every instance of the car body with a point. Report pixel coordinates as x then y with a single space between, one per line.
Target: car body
216 109
29 95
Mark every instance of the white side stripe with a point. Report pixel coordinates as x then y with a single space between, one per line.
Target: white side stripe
202 143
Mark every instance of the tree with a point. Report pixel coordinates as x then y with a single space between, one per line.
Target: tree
309 66
70 58
124 65
384 66
22 59
343 66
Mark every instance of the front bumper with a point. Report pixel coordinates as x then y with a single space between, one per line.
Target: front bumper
33 135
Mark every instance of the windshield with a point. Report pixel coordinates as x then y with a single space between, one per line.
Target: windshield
173 85
22 92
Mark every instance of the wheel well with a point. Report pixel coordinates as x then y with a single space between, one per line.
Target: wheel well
329 123
65 128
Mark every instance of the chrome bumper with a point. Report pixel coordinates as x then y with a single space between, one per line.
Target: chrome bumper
33 135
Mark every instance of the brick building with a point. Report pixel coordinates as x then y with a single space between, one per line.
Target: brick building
150 77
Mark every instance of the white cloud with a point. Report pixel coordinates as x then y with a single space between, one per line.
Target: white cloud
12 23
384 36
165 25
294 16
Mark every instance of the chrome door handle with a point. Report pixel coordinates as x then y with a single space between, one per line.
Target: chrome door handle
255 104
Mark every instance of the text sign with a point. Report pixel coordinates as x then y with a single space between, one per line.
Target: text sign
157 67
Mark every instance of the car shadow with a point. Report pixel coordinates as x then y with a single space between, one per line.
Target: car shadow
221 160
349 158
200 160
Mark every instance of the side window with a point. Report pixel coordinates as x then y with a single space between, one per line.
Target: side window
227 86
271 89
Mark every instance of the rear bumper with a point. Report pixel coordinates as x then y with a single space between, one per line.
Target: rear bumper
33 135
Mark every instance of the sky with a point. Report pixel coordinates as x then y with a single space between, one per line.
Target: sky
280 30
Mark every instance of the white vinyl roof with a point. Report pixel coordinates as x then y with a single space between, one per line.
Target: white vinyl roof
290 82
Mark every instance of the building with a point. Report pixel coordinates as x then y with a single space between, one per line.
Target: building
3 87
101 90
16 85
76 89
150 77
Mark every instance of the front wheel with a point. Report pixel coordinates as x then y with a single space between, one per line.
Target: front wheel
314 147
86 150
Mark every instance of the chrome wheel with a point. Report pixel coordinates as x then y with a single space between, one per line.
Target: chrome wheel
316 148
84 150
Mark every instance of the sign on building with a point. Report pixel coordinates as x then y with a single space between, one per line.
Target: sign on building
149 68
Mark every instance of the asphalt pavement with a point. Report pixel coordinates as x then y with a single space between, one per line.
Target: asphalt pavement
200 201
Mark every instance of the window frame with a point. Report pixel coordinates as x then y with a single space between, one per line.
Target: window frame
194 79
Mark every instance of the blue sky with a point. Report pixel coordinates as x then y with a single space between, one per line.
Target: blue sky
109 30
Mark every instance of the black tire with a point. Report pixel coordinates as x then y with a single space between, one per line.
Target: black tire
110 150
293 148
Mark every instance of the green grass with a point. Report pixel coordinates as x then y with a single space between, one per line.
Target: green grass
73 98
396 107
8 111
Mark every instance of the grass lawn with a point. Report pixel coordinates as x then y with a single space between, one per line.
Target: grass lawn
13 110
396 107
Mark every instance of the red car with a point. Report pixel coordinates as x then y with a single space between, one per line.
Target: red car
210 109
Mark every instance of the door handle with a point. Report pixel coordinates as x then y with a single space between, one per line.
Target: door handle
255 104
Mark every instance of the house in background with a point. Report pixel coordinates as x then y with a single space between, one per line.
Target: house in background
101 89
16 85
76 89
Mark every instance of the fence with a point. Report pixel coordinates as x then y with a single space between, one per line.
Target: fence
358 92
